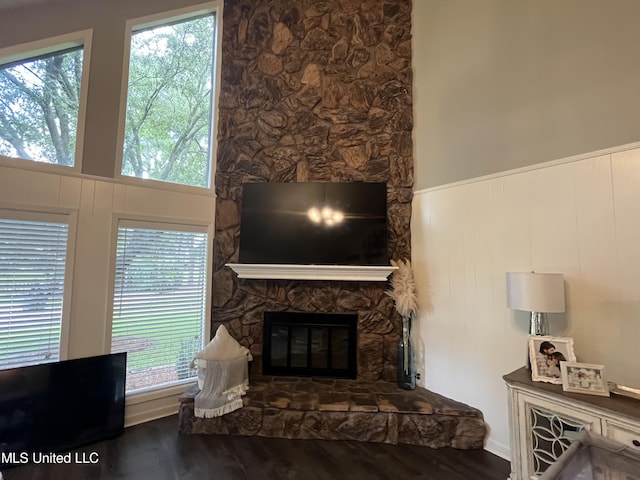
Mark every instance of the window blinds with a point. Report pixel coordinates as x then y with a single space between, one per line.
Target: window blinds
32 268
159 303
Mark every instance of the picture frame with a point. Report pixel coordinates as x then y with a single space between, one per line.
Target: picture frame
546 354
584 378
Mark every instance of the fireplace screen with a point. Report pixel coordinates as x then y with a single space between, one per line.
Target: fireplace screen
310 344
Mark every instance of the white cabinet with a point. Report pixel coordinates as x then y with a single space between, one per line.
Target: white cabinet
544 421
625 433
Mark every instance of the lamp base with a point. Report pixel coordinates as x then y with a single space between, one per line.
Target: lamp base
539 324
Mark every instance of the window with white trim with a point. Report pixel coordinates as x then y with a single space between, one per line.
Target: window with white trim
169 108
41 93
33 259
160 302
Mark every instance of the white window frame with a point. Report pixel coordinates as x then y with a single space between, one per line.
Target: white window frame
25 51
68 217
155 20
141 221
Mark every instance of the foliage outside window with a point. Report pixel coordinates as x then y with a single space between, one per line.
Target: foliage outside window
159 303
39 107
32 274
169 103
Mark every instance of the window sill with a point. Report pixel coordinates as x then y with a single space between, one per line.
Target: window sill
155 393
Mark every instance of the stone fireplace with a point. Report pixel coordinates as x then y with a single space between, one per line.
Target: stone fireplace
319 91
313 91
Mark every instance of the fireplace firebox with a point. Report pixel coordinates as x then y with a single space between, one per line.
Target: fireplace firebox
310 344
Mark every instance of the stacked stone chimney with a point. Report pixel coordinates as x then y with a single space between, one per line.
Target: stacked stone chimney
313 91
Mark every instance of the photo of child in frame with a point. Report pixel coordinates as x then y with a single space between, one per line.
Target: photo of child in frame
546 354
584 378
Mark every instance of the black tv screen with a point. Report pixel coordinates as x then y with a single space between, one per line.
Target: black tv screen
314 223
59 406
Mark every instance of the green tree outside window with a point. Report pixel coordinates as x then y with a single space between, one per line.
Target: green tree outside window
169 103
39 104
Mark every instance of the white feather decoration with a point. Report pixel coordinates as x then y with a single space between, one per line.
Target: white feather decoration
403 288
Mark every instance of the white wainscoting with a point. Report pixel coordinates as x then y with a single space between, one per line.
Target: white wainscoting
97 205
579 217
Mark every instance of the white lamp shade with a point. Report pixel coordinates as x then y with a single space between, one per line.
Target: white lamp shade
535 292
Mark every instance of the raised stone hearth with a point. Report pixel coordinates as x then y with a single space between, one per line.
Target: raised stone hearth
329 409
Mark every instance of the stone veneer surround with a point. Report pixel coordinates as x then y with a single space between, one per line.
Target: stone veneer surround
312 91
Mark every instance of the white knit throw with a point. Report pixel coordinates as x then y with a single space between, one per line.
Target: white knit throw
225 381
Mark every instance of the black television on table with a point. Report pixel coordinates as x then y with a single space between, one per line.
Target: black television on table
314 223
59 406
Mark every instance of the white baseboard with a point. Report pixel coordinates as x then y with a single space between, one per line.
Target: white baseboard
498 449
153 414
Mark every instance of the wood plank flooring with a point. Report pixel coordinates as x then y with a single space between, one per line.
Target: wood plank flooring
155 451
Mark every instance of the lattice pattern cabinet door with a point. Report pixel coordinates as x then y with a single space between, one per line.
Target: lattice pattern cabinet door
550 433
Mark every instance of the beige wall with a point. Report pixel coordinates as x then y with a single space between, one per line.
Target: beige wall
514 84
500 84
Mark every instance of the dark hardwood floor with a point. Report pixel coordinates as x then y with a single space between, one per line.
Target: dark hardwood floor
155 451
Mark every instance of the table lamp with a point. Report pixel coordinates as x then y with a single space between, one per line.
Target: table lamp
538 293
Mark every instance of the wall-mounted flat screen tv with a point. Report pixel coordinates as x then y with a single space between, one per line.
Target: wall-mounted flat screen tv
314 223
59 406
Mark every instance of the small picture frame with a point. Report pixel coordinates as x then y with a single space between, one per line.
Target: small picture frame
584 378
546 354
